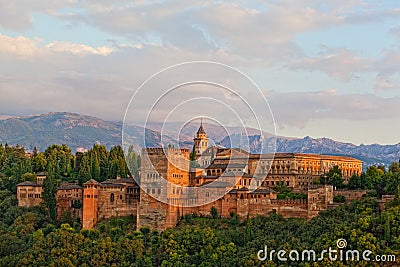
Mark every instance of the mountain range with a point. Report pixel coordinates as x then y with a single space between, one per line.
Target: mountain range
81 131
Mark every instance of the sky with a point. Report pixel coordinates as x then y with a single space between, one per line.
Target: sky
326 68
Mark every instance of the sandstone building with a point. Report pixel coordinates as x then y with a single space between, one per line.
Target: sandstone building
294 170
69 199
232 180
111 198
29 194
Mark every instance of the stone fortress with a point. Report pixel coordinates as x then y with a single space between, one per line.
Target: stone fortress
233 181
229 179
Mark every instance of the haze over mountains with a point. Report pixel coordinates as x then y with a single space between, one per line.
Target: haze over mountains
80 131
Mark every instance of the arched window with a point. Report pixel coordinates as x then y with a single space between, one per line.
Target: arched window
112 197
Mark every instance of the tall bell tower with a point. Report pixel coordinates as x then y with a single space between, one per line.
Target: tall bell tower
200 140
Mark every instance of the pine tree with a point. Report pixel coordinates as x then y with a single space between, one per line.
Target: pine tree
113 168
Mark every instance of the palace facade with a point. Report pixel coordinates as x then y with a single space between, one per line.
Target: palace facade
232 180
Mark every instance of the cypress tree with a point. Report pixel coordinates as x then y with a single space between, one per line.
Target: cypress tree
50 189
95 166
85 170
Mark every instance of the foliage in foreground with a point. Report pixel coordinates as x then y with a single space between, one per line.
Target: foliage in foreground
28 239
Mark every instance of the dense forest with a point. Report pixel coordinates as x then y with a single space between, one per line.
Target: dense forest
29 238
32 236
58 161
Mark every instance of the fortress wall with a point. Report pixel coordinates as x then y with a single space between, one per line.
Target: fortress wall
350 195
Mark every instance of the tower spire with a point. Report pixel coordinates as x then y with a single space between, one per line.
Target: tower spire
201 129
200 139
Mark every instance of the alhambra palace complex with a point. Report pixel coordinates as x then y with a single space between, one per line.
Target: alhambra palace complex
231 180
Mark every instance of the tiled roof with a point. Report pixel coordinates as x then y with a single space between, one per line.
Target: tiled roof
231 165
263 191
91 181
121 180
68 187
104 184
201 130
28 183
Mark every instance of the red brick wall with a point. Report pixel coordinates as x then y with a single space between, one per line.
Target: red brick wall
90 206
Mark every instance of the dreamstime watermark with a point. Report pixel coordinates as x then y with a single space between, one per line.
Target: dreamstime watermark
179 98
339 253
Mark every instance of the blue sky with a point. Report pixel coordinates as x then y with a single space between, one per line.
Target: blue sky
327 68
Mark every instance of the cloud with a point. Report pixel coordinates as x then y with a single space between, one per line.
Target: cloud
149 36
370 14
24 47
20 46
64 76
78 49
395 31
339 63
18 15
264 33
297 109
252 32
260 32
388 66
345 65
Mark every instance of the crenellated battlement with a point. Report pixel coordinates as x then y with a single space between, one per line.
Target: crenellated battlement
290 202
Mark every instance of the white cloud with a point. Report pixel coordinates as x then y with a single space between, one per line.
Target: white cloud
20 46
24 47
78 49
255 31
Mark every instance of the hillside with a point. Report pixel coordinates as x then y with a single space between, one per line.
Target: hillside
75 130
78 130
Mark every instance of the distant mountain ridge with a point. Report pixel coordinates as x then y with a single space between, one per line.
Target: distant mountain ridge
73 129
370 154
81 131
